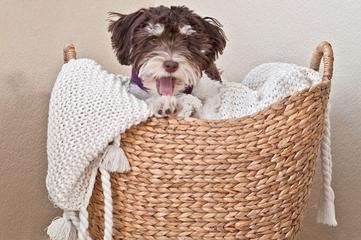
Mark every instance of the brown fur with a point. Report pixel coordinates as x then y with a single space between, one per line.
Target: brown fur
132 44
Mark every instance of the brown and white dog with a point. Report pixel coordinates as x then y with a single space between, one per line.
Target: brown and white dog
169 48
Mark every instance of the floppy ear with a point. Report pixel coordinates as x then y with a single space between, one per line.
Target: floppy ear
216 35
218 42
122 31
213 72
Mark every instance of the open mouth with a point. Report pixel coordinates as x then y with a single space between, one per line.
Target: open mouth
165 86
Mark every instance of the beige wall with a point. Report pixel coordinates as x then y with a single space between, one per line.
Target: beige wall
32 34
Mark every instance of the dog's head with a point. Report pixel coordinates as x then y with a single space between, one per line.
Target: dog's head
168 47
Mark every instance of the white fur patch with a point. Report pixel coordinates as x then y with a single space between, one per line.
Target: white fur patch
152 69
155 29
187 30
162 105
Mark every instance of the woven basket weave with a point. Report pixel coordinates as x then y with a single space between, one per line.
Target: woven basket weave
246 178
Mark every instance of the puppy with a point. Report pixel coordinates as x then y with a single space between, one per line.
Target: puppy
169 48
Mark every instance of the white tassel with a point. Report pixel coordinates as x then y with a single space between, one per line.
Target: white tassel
326 212
114 158
62 228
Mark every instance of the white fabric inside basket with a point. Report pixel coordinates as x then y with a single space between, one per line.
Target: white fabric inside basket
263 86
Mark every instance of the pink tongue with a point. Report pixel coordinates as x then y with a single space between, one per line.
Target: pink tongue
165 86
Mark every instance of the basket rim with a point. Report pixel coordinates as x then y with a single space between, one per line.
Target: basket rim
199 121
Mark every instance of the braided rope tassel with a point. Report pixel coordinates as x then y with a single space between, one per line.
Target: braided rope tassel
65 227
83 224
326 212
108 204
114 158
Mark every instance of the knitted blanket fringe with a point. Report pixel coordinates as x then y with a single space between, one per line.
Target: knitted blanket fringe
88 110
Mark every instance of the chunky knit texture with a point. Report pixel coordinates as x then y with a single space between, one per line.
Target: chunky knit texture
263 86
88 108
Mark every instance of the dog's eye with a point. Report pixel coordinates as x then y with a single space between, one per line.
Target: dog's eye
186 29
154 29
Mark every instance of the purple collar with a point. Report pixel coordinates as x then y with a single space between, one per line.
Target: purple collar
139 82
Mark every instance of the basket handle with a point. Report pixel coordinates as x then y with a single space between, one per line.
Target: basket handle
323 50
69 52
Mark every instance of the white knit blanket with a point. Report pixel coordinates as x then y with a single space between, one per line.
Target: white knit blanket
263 86
89 108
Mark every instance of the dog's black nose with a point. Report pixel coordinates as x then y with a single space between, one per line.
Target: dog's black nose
170 66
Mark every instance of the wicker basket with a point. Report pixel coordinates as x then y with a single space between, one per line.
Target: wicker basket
246 178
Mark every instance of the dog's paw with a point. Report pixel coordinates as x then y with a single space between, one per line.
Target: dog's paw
189 105
162 106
